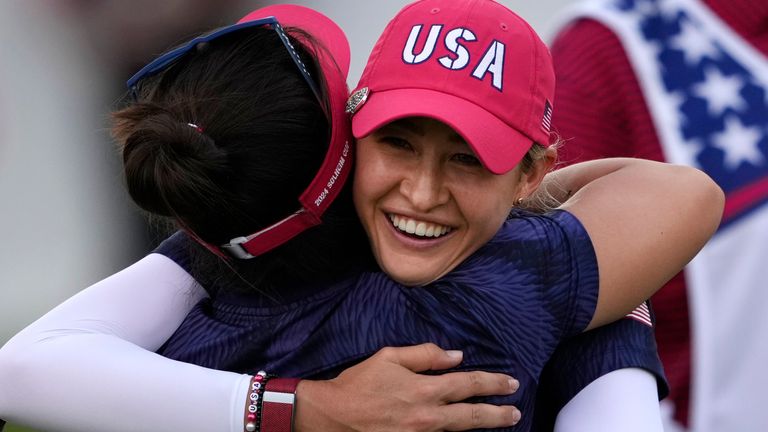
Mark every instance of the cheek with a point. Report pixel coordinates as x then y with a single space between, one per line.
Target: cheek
488 205
375 174
367 187
361 188
491 192
488 220
359 194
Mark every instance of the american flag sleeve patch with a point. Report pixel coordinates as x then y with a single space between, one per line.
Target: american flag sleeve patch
641 314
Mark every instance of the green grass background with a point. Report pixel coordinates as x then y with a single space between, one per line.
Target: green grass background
11 428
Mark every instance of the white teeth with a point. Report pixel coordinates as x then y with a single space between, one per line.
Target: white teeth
418 228
410 227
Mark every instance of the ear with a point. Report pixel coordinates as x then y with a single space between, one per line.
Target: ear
530 181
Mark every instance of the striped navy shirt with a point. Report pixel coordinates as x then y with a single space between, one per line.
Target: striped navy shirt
507 307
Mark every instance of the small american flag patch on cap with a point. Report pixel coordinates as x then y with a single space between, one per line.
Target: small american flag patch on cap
546 122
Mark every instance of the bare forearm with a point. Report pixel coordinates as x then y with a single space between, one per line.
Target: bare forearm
559 186
646 220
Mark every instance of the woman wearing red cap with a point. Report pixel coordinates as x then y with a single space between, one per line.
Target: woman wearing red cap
214 140
479 73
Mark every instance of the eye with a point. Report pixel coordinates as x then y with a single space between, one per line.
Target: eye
466 159
396 142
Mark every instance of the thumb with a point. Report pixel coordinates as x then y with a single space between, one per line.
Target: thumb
420 358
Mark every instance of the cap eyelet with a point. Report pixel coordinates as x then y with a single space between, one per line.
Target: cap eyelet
434 11
356 100
504 26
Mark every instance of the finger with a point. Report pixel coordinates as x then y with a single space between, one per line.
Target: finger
457 386
420 358
464 416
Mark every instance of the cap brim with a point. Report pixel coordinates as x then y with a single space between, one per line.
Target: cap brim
499 146
322 28
333 58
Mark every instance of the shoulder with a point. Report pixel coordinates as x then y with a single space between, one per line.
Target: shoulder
545 231
543 249
189 255
530 240
177 248
547 258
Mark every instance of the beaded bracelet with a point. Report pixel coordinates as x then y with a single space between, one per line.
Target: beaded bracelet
255 398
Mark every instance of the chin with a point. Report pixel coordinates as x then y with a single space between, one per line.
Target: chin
409 277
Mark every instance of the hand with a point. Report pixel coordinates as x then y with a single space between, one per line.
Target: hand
386 393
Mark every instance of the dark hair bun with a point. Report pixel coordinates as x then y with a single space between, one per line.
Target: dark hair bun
170 165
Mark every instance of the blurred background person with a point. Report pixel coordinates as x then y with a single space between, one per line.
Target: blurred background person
686 81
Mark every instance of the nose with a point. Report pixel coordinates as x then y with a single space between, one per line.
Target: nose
425 187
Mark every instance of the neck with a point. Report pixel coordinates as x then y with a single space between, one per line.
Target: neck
749 18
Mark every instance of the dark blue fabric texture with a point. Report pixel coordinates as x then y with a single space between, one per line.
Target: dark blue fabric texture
507 307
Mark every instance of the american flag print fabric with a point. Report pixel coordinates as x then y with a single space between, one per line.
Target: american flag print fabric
546 122
706 89
641 314
709 94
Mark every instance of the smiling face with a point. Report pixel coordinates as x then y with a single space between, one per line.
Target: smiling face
426 201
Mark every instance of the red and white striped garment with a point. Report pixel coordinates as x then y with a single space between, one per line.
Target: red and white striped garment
601 111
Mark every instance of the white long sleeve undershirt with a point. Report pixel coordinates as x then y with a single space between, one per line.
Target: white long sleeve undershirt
624 400
89 366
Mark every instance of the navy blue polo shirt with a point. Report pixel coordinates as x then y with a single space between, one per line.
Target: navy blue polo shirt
508 306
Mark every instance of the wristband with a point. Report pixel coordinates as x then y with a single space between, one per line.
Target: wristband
253 408
278 405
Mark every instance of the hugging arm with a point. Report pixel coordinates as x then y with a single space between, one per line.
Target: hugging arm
646 220
403 401
625 400
89 365
614 369
95 351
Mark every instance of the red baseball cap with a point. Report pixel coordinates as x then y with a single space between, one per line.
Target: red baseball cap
472 64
